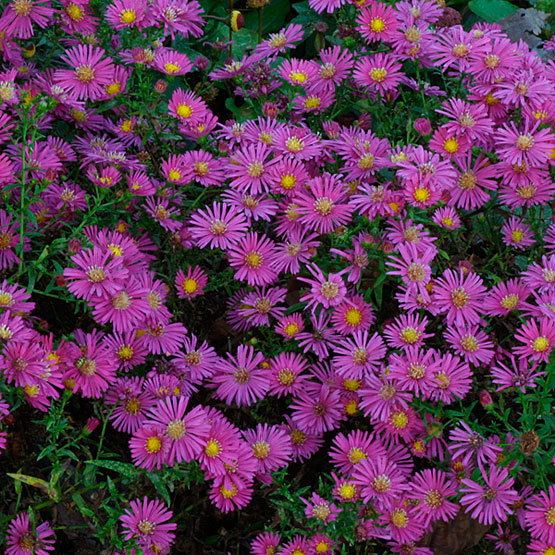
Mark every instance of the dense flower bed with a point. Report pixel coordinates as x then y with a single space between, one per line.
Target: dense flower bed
333 312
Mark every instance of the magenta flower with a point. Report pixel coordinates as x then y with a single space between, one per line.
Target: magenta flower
192 283
529 145
538 340
317 409
379 480
323 206
24 539
459 296
179 16
240 379
271 447
491 502
19 16
186 431
9 240
90 72
539 515
468 445
147 522
252 258
358 356
380 73
377 22
326 291
432 488
220 226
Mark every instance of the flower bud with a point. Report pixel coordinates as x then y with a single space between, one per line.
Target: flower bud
422 126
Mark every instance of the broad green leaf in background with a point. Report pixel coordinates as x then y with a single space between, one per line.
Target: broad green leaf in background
272 16
492 10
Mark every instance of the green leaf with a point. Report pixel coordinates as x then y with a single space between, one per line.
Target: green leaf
272 17
36 483
160 487
125 469
492 10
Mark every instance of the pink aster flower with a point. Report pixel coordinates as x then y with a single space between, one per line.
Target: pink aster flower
352 315
183 17
128 349
125 309
220 446
517 373
406 330
321 509
186 430
90 365
9 240
459 296
467 445
323 206
540 276
317 409
279 42
252 258
381 396
538 340
122 14
219 226
379 72
299 143
491 502
186 106
249 168
466 119
539 515
19 16
494 61
148 522
377 22
264 543
271 447
471 342
328 6
287 374
325 291
239 379
192 283
517 234
505 297
413 266
451 379
358 356
412 369
171 62
90 72
529 145
404 522
379 480
24 539
347 452
149 447
432 488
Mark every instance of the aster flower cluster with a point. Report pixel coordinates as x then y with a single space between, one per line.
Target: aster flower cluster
381 291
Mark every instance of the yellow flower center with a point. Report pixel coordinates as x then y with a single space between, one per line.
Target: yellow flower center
261 449
190 285
540 344
356 455
184 111
255 169
153 444
421 194
74 12
128 16
254 260
399 518
176 429
460 297
451 145
286 377
399 420
525 142
85 73
377 25
125 352
324 206
298 77
212 448
378 74
171 68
